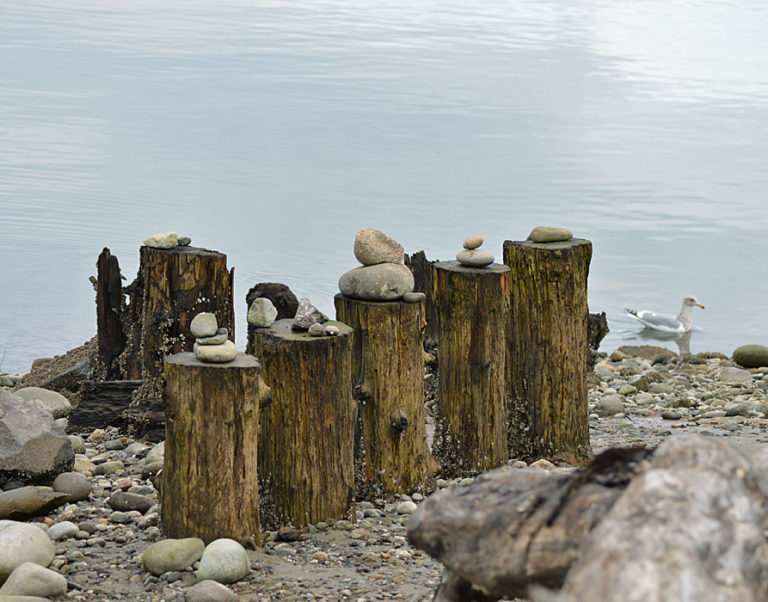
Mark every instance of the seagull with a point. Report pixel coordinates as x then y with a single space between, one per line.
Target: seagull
665 322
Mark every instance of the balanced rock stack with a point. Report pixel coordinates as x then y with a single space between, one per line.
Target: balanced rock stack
167 240
471 256
311 319
549 234
212 343
383 276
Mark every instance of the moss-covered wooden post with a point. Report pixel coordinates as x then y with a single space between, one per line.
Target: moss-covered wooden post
388 384
210 477
306 444
547 349
472 306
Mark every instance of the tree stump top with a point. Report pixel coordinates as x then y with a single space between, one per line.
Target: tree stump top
283 330
455 266
187 358
185 250
550 246
396 302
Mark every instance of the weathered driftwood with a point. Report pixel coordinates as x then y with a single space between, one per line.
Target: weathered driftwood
512 528
210 476
597 328
547 350
388 384
103 403
306 445
471 426
690 529
421 268
110 305
171 288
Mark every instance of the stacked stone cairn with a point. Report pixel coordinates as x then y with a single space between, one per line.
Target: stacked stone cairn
383 275
167 240
212 343
309 318
471 256
544 234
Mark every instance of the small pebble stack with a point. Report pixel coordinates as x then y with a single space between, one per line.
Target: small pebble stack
471 257
383 276
212 344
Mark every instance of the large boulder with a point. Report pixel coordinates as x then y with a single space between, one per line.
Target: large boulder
372 247
25 502
20 543
31 446
382 282
52 402
751 356
31 579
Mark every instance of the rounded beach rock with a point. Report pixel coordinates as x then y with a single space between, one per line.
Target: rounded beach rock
225 561
549 234
52 402
172 555
751 356
262 313
474 259
473 242
209 591
216 354
204 325
20 543
372 247
383 282
30 579
73 483
221 336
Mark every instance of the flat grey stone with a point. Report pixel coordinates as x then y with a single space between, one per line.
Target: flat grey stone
219 338
473 242
164 240
474 259
549 234
52 402
209 591
217 354
734 376
172 555
414 297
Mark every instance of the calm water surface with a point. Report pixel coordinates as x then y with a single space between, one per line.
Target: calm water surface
272 131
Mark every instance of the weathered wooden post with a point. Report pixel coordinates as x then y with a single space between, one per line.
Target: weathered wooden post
172 286
306 444
210 477
547 348
388 383
472 305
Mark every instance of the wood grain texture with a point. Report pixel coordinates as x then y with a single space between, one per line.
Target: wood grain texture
388 384
306 448
472 306
547 350
110 305
210 477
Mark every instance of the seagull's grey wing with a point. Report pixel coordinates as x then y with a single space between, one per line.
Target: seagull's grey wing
655 320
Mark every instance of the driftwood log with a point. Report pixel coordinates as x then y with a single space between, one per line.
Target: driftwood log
472 308
110 306
210 476
515 527
171 288
388 384
547 350
306 444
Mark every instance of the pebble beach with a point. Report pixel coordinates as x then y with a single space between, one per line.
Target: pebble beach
634 400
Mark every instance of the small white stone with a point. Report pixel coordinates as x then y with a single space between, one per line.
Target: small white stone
406 508
165 240
473 242
474 259
262 313
332 330
204 325
216 354
316 330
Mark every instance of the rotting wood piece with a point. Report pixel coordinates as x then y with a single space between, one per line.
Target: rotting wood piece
171 288
210 475
103 403
471 425
547 350
421 268
306 444
518 526
388 384
110 305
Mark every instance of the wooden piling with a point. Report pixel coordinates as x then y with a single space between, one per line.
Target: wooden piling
210 477
388 385
472 306
547 350
306 444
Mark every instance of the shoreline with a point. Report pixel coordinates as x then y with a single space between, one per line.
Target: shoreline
633 401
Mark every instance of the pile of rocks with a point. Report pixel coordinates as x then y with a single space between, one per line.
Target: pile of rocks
309 318
471 256
167 240
383 276
211 342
